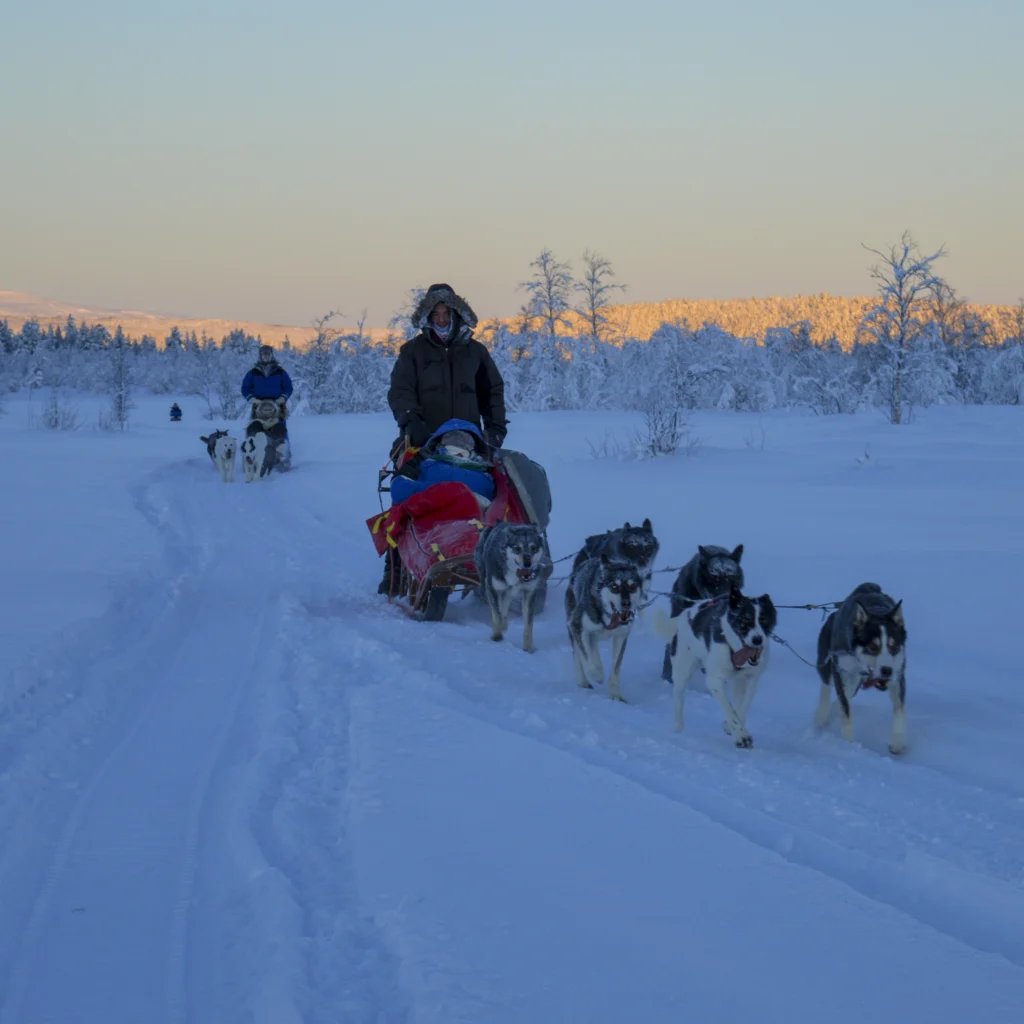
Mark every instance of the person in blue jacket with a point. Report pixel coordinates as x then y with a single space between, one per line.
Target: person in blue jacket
268 379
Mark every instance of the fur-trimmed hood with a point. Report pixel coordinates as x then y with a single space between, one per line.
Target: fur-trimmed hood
443 293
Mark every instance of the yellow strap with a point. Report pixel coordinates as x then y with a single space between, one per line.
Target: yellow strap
437 551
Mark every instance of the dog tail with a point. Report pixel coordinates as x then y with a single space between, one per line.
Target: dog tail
665 627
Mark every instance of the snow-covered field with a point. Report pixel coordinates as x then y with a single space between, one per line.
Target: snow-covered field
236 786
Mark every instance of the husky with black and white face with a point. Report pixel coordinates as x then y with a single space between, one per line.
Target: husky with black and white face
712 571
601 603
862 645
259 456
727 636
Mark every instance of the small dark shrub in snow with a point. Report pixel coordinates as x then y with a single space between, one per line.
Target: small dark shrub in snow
59 414
662 434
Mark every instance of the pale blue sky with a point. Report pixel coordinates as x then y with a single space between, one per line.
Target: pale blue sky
276 160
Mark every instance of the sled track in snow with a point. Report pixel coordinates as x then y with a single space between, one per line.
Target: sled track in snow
171 885
301 827
704 772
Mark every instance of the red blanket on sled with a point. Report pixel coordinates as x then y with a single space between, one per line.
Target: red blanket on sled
437 504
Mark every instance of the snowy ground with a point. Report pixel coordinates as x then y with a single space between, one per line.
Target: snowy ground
236 786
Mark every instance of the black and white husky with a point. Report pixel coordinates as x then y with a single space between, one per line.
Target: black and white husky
221 447
636 544
727 636
600 604
862 645
511 559
259 456
711 572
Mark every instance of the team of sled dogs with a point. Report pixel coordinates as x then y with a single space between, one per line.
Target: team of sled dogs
258 454
712 626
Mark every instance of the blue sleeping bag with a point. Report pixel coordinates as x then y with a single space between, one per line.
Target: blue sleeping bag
438 471
434 472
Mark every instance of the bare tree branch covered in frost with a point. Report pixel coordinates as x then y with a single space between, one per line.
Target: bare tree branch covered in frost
549 290
596 289
401 321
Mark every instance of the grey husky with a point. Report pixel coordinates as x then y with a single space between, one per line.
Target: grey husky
511 559
727 636
862 645
636 544
600 604
712 571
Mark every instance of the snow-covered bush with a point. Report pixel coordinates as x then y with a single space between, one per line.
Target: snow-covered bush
58 413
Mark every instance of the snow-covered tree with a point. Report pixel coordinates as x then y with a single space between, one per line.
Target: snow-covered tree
318 378
596 290
549 292
120 381
907 285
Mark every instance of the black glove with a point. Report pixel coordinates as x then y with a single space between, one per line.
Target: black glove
495 435
416 431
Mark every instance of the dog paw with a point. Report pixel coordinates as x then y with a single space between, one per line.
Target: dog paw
618 697
897 748
586 686
744 740
497 637
530 650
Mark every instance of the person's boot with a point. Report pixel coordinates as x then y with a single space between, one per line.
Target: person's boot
392 570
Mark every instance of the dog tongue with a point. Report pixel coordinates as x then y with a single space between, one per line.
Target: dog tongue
742 656
524 574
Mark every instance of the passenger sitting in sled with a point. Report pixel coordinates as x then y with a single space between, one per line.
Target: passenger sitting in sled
456 451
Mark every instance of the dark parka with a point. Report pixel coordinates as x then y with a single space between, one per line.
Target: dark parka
437 381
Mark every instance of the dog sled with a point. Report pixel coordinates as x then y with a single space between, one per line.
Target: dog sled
435 532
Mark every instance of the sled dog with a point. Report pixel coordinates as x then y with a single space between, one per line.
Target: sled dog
221 448
862 645
510 560
711 572
600 604
211 443
259 455
636 544
727 636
